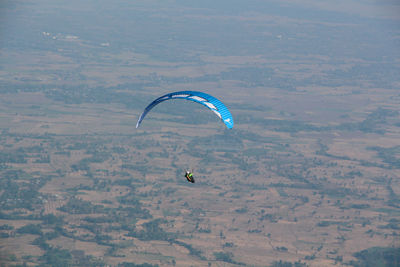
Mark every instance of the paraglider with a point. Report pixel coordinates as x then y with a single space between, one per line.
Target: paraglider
207 100
189 176
202 98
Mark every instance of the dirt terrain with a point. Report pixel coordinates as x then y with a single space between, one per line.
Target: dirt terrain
308 176
262 194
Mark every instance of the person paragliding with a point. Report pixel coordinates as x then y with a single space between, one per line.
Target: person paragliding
189 176
204 99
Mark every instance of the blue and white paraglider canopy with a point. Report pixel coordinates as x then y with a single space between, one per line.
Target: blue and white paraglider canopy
205 99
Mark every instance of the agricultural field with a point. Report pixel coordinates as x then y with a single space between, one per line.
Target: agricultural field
308 176
81 180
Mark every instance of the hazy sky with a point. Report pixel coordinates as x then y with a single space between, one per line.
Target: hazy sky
123 22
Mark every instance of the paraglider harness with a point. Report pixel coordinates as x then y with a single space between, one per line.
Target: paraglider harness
189 176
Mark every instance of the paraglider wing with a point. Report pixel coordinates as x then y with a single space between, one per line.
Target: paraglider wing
207 100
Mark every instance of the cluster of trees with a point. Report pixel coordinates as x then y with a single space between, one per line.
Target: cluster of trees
153 231
390 155
76 205
377 256
20 190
